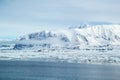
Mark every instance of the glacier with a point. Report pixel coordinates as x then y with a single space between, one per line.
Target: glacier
83 44
90 35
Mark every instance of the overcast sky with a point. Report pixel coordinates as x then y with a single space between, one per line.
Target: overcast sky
18 17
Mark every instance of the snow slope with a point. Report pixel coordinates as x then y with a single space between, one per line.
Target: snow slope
83 44
81 37
94 35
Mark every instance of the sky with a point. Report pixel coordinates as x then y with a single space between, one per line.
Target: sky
19 17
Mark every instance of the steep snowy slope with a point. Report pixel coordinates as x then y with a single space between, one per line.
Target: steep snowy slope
99 35
46 39
95 35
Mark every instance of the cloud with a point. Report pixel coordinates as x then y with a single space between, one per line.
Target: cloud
32 13
50 11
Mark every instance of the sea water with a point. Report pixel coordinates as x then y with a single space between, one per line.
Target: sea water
36 70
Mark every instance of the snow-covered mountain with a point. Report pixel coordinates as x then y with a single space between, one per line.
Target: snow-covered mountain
75 37
81 44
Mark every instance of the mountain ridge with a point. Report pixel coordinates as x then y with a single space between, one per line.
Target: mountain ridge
104 31
86 35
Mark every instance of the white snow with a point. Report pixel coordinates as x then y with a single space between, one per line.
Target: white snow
99 44
72 56
90 35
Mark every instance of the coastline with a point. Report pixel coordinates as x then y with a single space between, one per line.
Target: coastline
84 57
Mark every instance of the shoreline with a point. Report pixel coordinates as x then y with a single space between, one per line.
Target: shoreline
87 57
63 62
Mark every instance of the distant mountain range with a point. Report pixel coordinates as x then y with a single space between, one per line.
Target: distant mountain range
81 36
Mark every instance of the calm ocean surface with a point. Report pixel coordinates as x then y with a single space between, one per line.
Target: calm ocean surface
35 70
